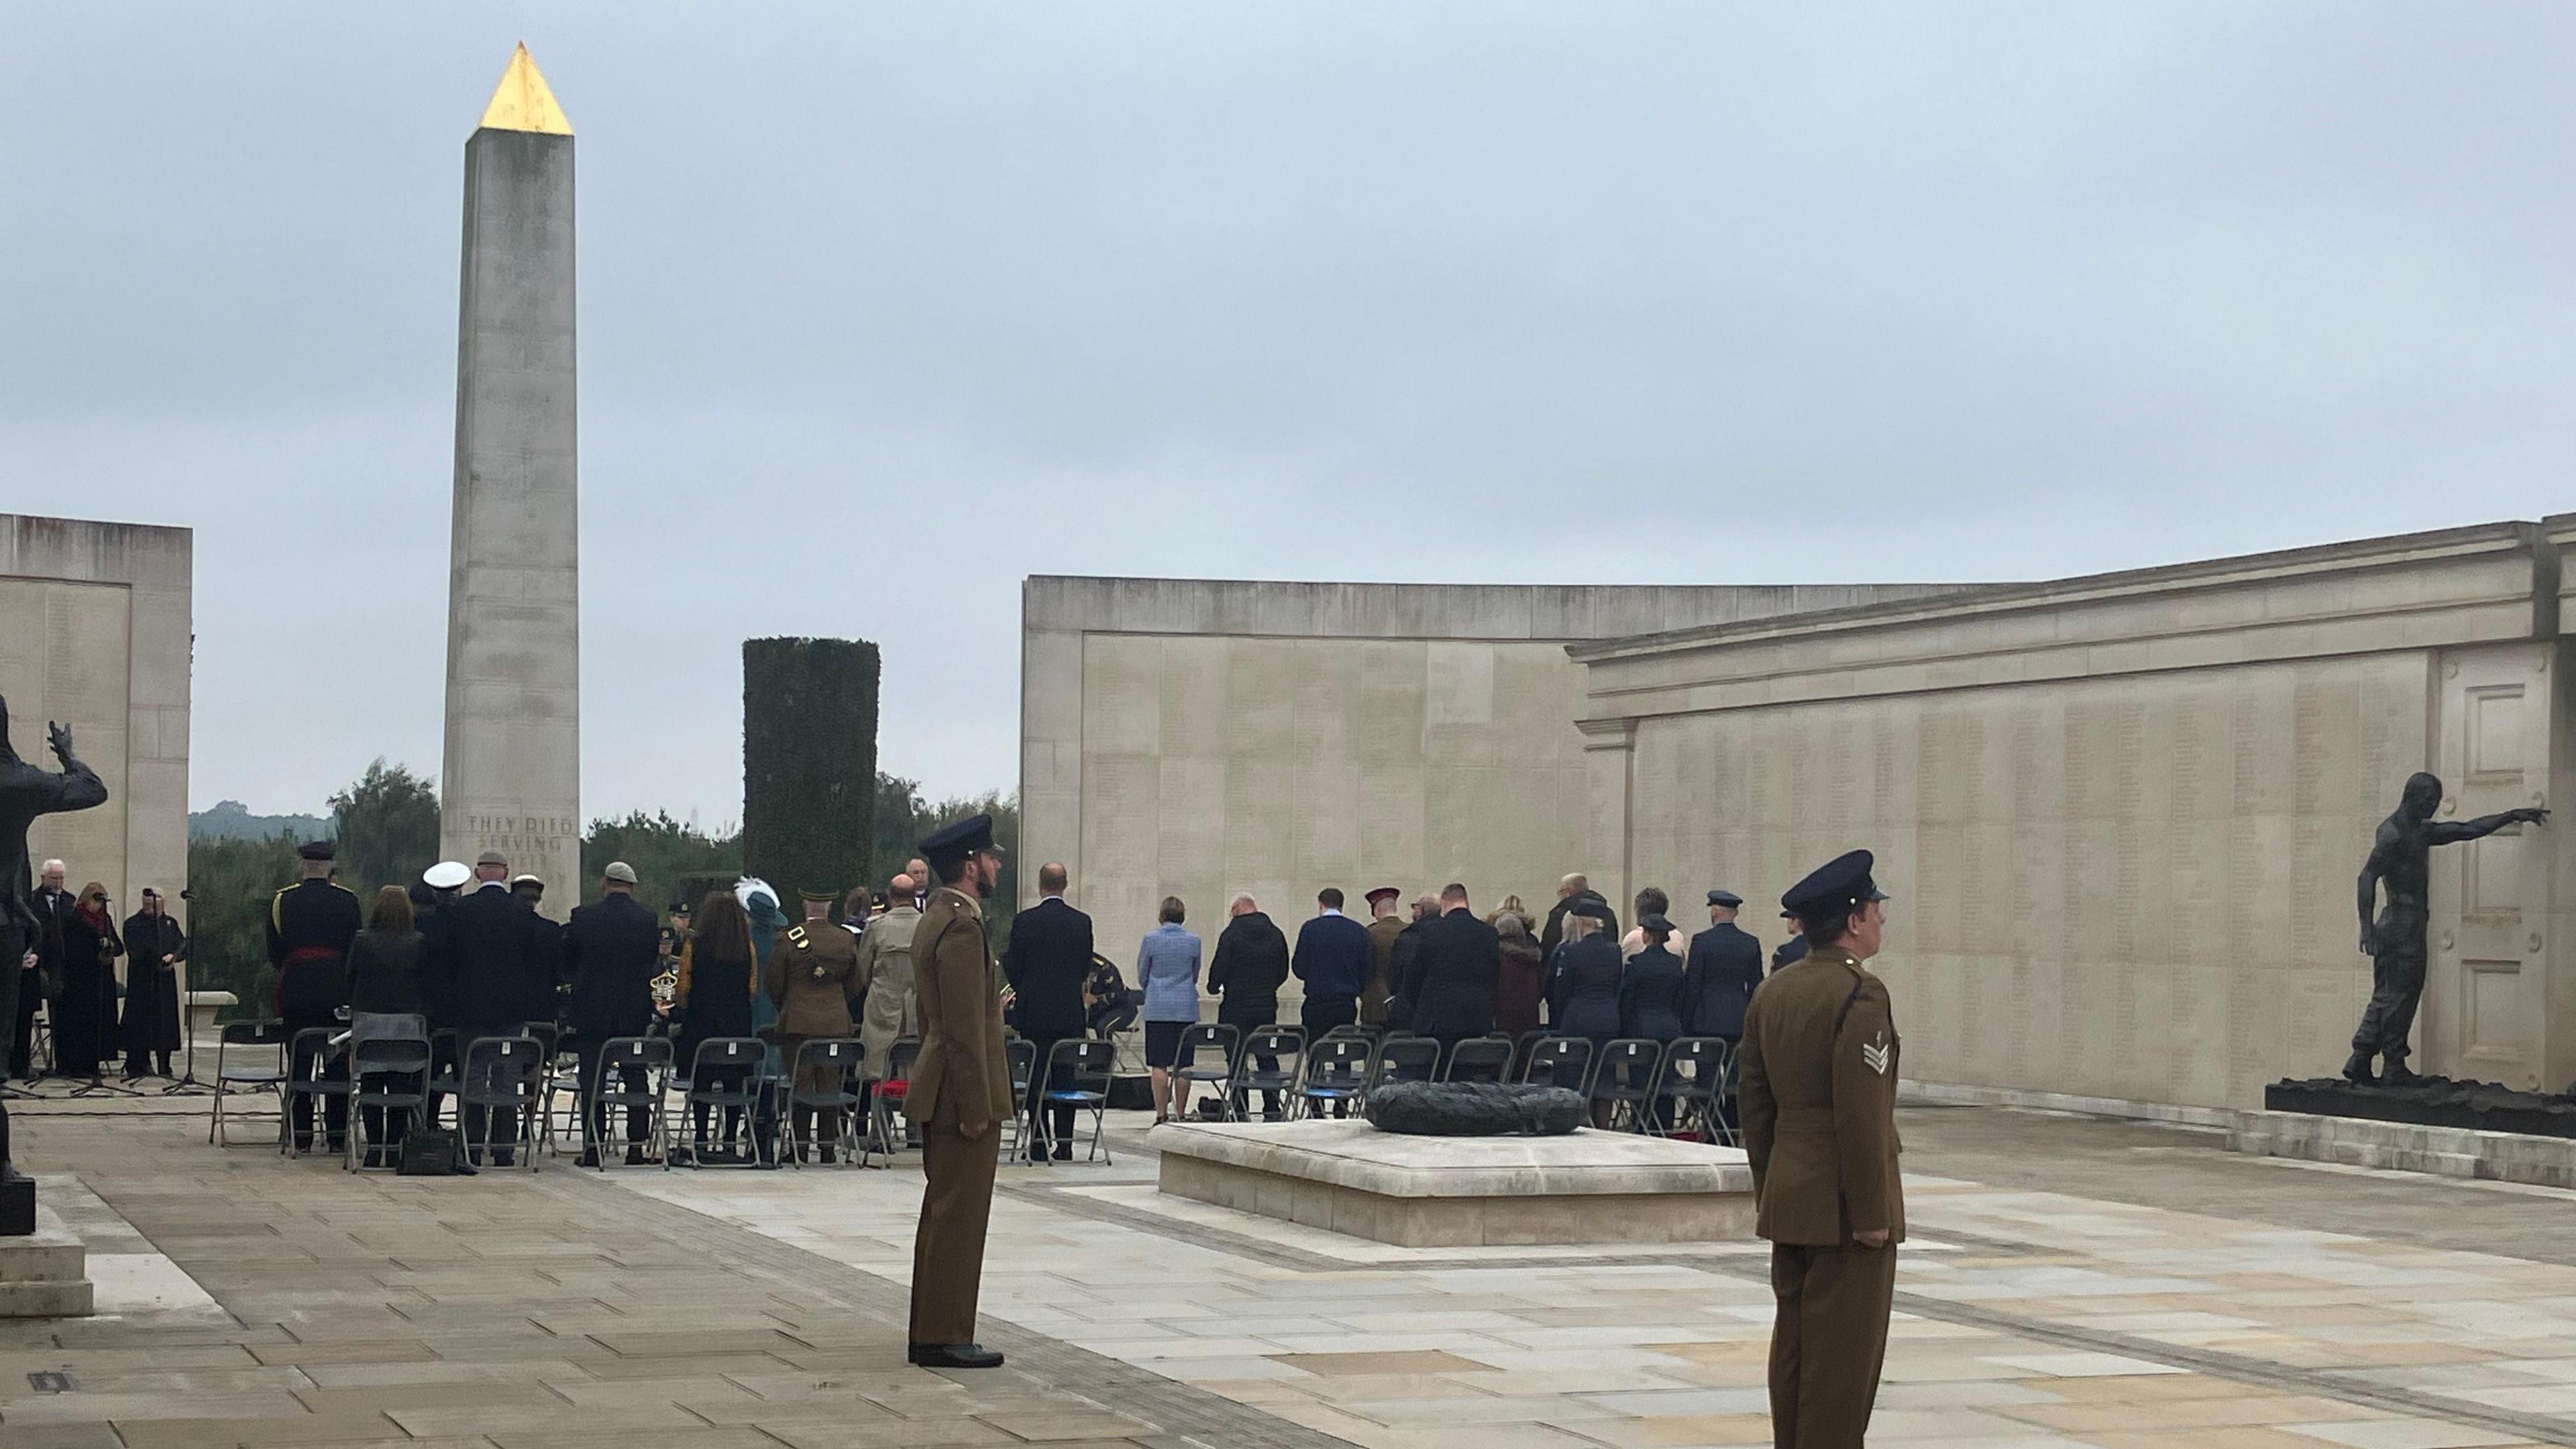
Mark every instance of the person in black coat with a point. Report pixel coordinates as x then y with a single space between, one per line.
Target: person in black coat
1399 962
1450 979
494 960
1572 892
384 980
85 1013
1250 965
1650 990
1718 978
1583 978
1045 965
611 951
154 947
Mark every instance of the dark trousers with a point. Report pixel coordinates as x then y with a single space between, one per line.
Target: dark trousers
1245 1025
639 1119
501 1124
1827 1342
381 1131
2396 984
948 1246
1321 1014
1039 1084
723 1079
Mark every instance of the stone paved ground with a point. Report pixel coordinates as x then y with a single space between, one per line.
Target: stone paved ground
2074 1282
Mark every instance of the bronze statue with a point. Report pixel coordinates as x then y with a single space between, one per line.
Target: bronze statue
2399 860
27 791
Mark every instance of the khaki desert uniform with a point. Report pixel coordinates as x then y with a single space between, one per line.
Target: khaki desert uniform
885 975
1819 1108
961 1087
813 979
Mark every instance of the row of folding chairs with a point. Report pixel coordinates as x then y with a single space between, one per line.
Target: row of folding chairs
1637 1084
525 1076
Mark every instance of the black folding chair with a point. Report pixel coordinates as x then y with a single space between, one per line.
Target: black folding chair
893 1088
388 1085
1336 1075
1216 1040
1625 1082
262 1069
501 1075
1407 1059
1267 1061
1022 1056
1478 1059
315 1071
611 1098
724 1078
840 1056
1688 1087
1560 1061
1077 1075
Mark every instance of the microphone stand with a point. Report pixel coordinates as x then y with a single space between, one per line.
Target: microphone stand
187 1085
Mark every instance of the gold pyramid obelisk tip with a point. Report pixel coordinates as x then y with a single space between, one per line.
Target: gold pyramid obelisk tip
524 102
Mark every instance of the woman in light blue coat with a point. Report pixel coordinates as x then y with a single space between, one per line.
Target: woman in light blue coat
1167 968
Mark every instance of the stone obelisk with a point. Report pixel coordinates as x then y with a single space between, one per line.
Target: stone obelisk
512 776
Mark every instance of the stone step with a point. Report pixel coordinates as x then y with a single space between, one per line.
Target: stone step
71 1299
44 1274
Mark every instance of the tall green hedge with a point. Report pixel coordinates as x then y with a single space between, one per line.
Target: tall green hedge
809 763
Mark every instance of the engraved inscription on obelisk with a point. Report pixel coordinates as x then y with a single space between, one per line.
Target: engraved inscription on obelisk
512 775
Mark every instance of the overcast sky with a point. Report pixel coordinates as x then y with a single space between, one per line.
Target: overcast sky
884 309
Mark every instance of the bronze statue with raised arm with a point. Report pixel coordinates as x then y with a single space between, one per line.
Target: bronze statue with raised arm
2400 862
27 791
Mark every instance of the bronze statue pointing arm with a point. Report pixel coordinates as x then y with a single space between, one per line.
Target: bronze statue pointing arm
2449 833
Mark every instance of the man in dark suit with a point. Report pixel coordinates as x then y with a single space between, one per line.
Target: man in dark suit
1725 965
1452 974
1334 958
53 905
611 951
495 962
1046 963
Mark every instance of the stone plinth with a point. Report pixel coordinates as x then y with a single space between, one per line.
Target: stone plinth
2407 1147
1426 1192
44 1274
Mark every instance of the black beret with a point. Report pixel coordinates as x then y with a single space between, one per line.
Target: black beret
1840 884
1656 923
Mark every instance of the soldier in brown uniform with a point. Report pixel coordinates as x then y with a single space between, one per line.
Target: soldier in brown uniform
813 979
1383 928
961 1088
1818 1095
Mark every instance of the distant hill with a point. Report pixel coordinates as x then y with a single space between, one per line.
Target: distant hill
232 820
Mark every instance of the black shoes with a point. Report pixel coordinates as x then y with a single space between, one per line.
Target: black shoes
2357 1070
1064 1152
953 1356
589 1158
2398 1074
635 1157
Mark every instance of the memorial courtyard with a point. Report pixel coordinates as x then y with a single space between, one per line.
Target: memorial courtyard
2070 1281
